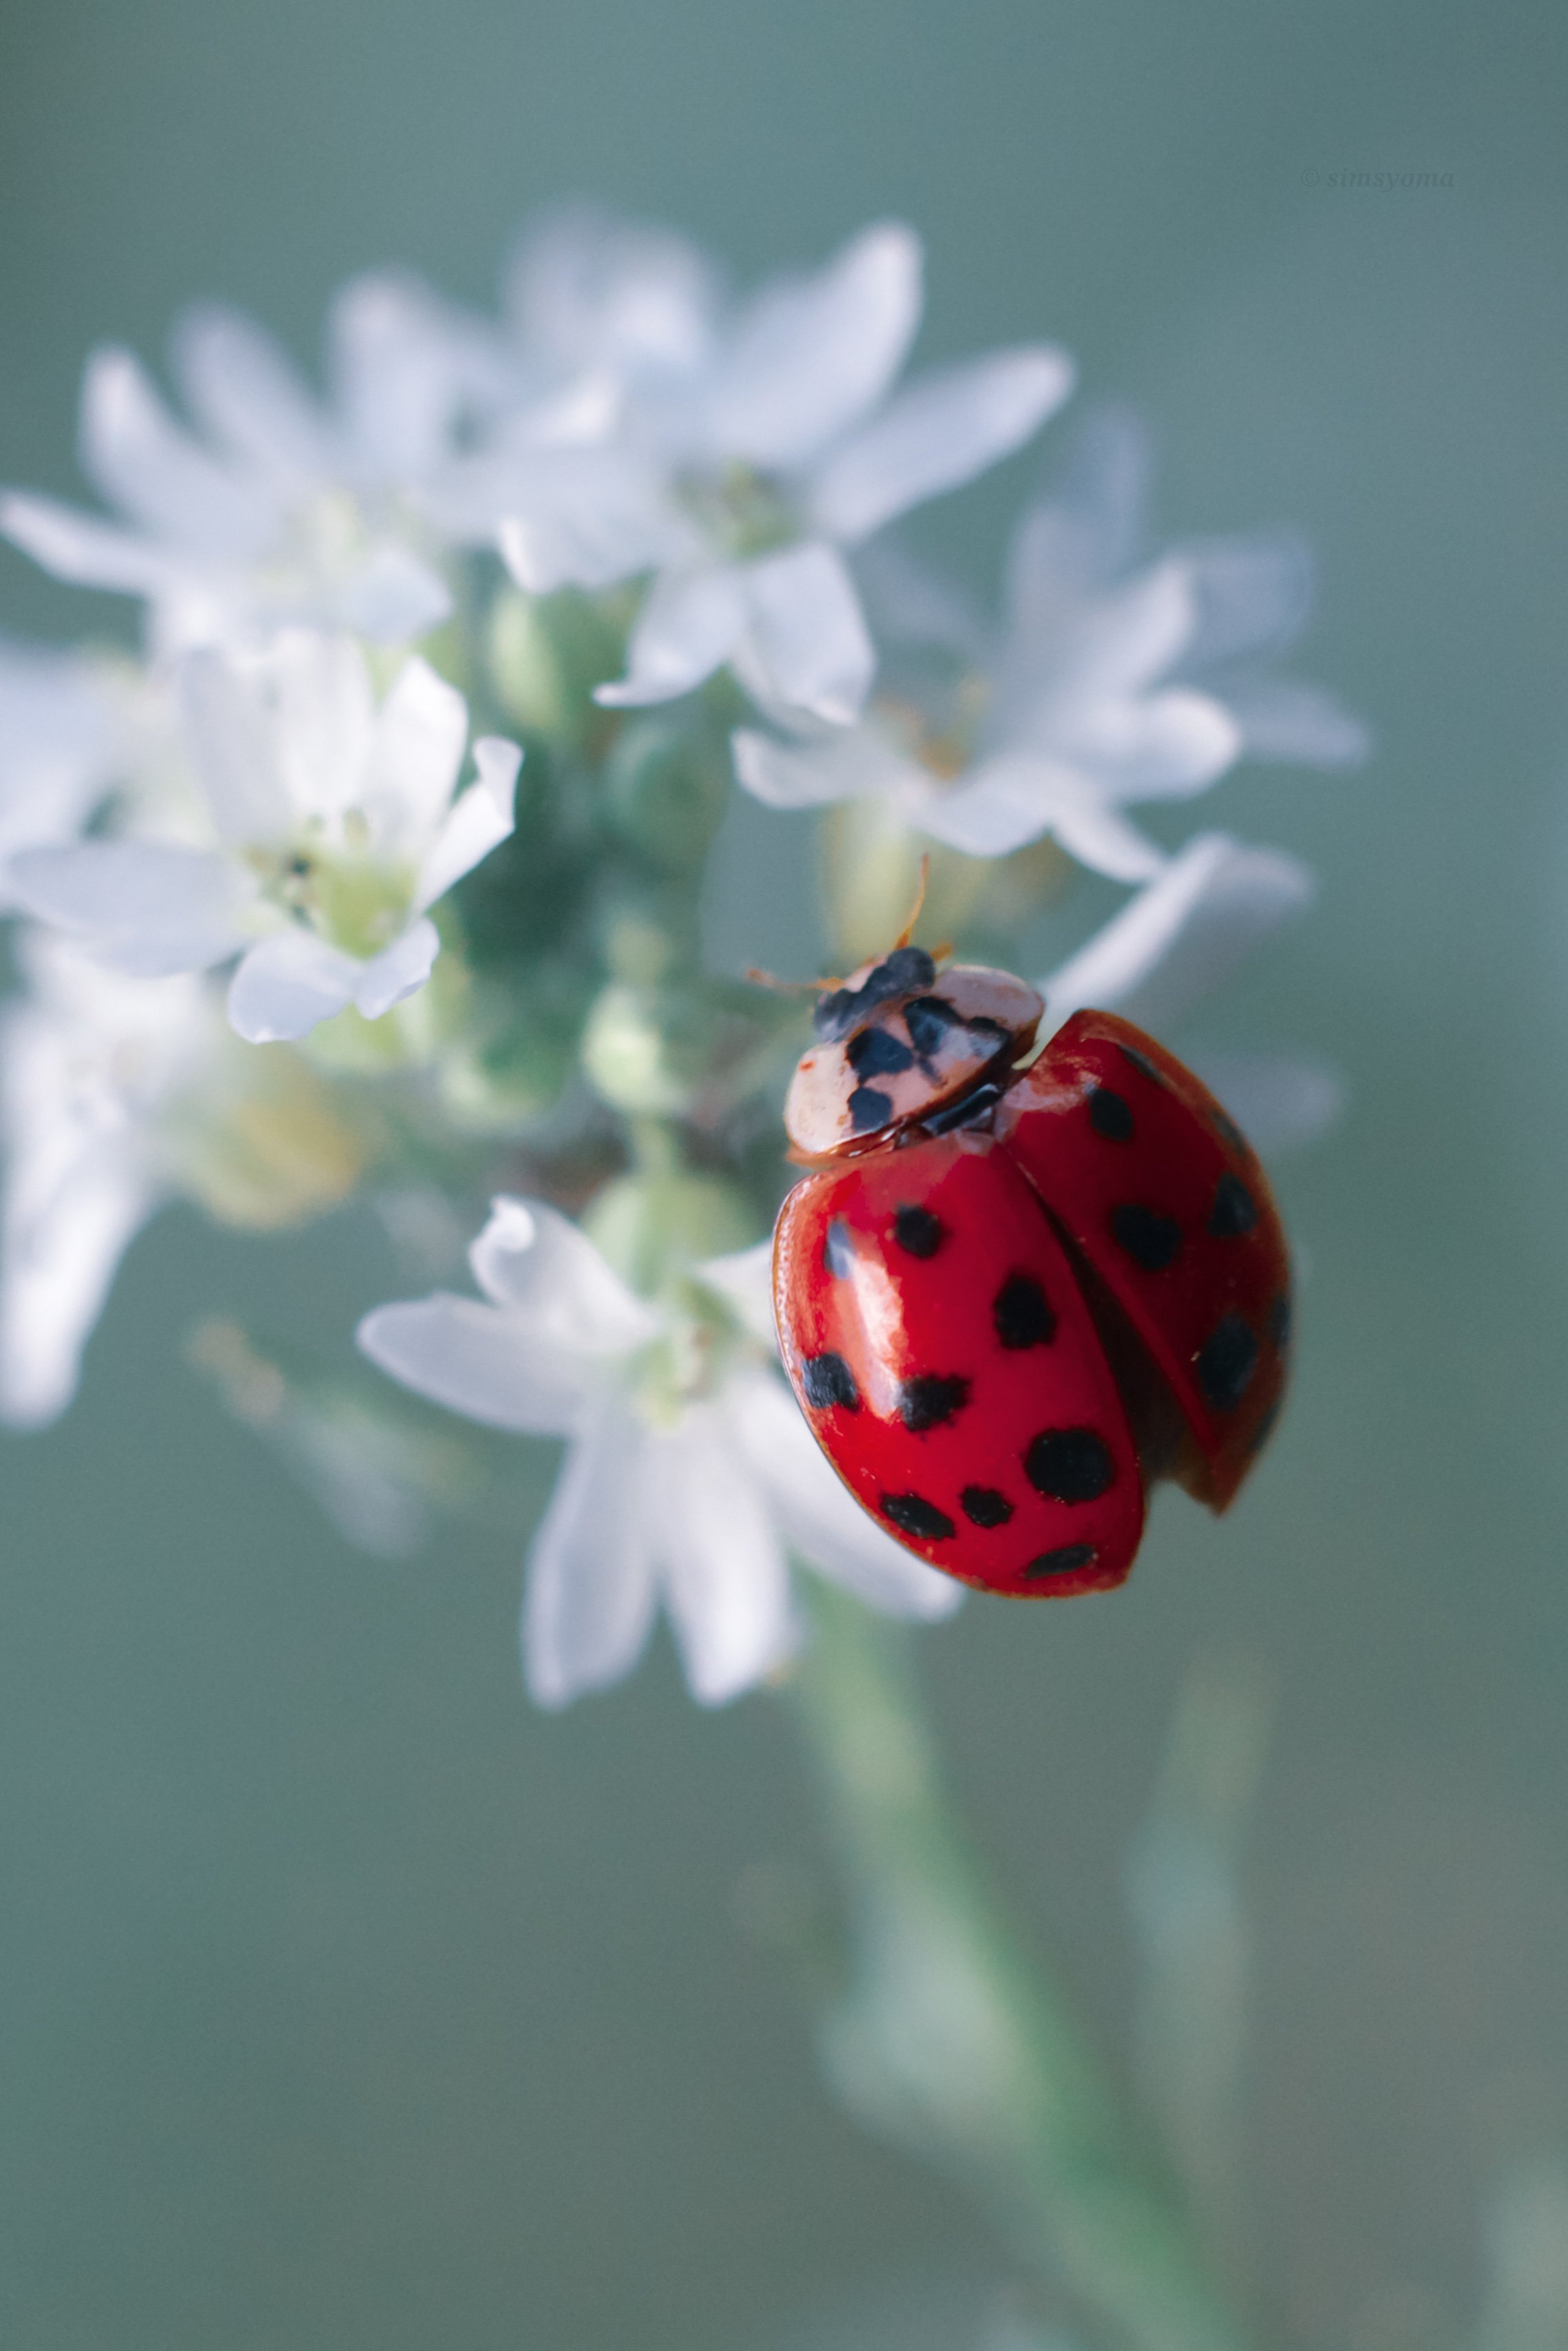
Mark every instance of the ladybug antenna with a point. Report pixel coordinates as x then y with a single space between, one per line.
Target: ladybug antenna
907 932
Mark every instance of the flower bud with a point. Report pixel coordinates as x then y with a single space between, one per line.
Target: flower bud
269 1144
667 792
653 1225
547 653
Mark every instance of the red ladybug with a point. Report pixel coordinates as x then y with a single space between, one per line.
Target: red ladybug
1009 1298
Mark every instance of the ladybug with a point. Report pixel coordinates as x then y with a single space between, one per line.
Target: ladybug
1014 1291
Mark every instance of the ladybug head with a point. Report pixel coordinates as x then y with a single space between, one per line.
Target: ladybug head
903 1044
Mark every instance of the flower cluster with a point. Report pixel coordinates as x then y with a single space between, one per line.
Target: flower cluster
378 869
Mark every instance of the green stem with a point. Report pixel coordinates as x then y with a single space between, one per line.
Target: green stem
953 2042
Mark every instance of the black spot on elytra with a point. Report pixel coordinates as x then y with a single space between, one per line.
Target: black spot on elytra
1234 1211
917 1231
929 1017
911 1514
1069 1464
1110 1115
843 1008
838 1250
827 1379
1142 1063
929 1399
1065 1560
1022 1313
1226 1363
877 1053
869 1109
985 1506
1280 1321
928 1020
1228 1132
1151 1238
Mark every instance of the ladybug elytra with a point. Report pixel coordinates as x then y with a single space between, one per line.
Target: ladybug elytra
1011 1293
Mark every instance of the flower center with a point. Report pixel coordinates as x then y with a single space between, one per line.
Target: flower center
740 512
354 899
942 739
691 1357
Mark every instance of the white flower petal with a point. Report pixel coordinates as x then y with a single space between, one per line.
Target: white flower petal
1076 654
1016 797
1085 534
821 1518
79 548
397 359
998 806
810 355
937 435
544 551
416 750
743 1279
1182 935
233 743
1280 720
57 1269
478 1360
1249 596
587 290
589 1605
1161 746
848 764
281 736
1094 831
392 596
144 462
476 822
60 740
806 647
691 623
725 1578
289 983
1280 1101
239 384
144 908
399 970
582 518
535 1261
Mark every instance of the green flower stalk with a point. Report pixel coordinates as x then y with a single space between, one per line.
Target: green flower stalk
952 2043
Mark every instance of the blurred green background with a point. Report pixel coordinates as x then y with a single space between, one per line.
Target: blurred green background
343 2002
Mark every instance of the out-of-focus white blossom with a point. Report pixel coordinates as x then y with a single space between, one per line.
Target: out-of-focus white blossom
1177 940
116 1094
741 451
690 1474
1110 684
333 829
275 506
91 1064
59 735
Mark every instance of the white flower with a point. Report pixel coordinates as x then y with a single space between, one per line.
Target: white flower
59 735
689 1470
1109 686
1173 943
280 507
89 1065
743 450
334 828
